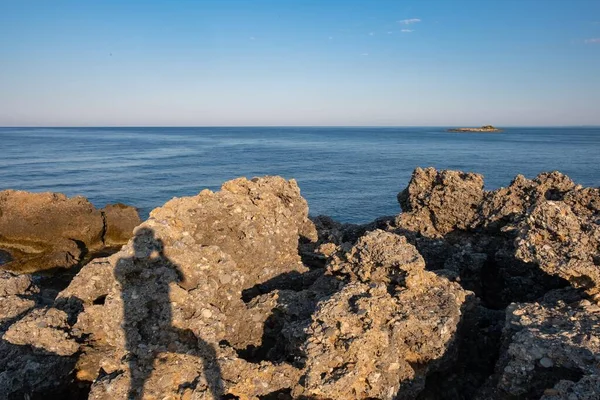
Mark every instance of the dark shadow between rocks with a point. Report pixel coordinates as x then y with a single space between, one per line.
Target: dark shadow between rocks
5 257
546 378
486 265
285 394
28 373
294 281
147 324
471 358
274 346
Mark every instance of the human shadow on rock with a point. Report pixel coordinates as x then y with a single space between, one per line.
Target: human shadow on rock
148 319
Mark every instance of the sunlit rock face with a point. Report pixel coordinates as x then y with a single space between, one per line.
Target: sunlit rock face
43 231
239 294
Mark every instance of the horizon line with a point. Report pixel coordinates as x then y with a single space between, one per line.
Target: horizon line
294 126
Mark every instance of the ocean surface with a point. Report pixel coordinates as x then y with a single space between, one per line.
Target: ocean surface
350 174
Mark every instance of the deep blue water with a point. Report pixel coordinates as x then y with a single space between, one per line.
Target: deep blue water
351 174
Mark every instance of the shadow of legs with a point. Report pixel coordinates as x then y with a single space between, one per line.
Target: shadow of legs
139 371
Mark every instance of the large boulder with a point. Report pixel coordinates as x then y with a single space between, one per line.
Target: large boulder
563 238
438 202
519 235
381 334
176 287
49 230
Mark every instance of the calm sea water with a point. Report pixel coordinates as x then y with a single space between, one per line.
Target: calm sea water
351 174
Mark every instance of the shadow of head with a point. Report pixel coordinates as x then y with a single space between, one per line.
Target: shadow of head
146 245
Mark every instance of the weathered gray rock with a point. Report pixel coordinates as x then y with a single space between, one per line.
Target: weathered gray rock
438 202
519 235
44 329
238 293
506 207
365 340
36 353
14 290
563 238
13 284
28 373
587 388
379 257
545 343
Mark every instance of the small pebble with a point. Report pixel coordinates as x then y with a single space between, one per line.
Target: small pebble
394 367
546 362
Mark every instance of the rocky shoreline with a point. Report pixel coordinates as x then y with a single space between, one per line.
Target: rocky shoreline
238 294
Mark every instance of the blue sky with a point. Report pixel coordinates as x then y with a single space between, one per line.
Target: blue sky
280 62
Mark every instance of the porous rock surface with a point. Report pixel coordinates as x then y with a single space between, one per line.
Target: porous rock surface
365 340
554 341
518 244
177 286
584 389
215 285
549 221
438 202
43 231
35 354
13 296
237 294
563 238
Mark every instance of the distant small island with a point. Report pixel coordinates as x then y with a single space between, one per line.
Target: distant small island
485 128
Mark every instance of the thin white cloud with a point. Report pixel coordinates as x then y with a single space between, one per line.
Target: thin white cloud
407 30
330 37
592 41
364 54
409 21
390 32
252 38
371 33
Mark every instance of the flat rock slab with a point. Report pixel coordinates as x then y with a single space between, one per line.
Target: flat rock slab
41 231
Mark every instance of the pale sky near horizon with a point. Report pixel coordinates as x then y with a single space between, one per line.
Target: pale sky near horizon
231 63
